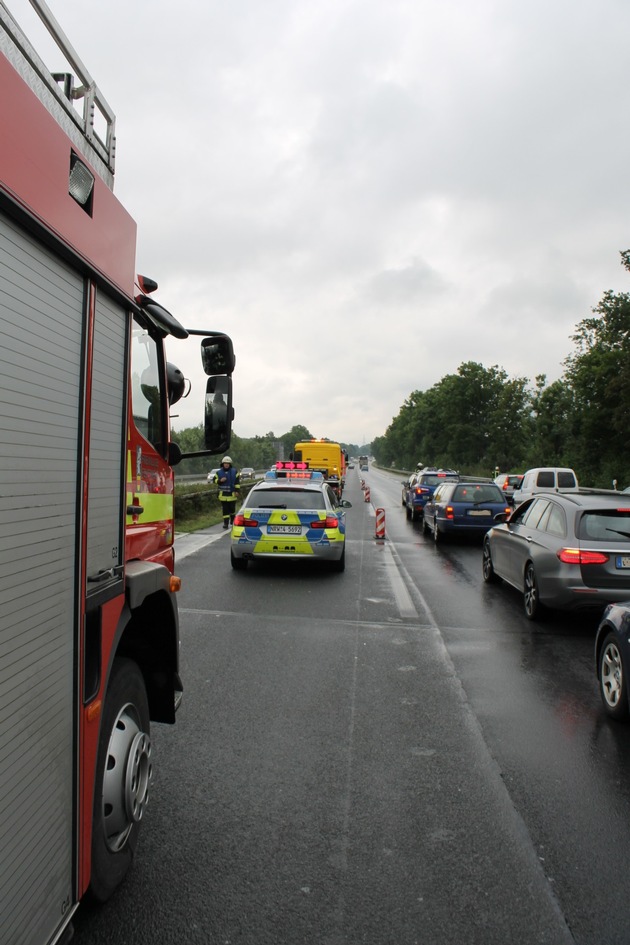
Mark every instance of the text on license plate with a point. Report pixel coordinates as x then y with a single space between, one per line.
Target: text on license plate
284 529
623 561
479 511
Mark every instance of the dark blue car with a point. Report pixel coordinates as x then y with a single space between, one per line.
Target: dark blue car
612 659
420 487
463 508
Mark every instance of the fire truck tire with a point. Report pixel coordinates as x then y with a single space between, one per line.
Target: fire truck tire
123 778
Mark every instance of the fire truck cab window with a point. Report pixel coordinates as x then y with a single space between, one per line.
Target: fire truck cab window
145 386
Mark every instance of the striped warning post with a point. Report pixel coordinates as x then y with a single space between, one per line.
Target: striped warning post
380 523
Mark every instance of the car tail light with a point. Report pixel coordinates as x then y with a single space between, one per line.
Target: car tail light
577 556
508 509
449 512
239 519
331 521
421 489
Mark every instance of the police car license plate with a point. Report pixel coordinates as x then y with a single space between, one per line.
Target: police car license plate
479 511
623 561
284 529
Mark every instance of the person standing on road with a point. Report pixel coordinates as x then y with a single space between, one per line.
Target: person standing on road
229 483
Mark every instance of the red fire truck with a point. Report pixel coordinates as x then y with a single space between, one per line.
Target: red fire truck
88 617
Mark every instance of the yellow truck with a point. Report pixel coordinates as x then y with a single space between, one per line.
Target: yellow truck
325 456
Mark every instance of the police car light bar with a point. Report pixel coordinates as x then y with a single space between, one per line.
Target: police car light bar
299 473
291 465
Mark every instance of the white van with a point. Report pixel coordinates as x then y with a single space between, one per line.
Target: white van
546 479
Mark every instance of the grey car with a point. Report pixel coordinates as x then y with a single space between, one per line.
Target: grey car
566 551
508 482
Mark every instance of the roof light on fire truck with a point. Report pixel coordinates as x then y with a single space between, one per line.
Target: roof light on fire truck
80 182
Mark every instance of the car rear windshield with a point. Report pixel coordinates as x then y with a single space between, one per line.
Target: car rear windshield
468 493
286 499
613 525
435 480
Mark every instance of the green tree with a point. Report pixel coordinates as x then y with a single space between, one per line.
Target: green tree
552 441
598 375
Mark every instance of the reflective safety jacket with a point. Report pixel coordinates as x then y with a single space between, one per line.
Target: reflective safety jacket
228 481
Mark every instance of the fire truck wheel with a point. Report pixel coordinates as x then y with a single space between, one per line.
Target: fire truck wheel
123 777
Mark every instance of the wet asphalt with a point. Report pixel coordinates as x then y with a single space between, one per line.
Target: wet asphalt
389 755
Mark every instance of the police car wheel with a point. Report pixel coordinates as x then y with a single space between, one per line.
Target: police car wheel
239 564
123 777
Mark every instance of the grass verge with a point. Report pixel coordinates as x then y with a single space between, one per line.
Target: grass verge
196 507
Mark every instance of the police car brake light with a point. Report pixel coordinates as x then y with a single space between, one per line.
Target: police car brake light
239 519
330 521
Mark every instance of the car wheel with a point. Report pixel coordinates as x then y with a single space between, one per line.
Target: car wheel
437 535
239 564
531 596
612 679
489 574
425 527
123 776
408 511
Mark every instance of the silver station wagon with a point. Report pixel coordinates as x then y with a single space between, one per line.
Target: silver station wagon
566 551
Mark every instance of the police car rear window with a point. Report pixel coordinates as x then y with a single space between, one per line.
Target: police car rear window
286 499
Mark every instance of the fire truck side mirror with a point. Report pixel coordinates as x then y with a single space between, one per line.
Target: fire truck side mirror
217 354
219 414
174 454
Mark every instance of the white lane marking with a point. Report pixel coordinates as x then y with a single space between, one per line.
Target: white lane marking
403 599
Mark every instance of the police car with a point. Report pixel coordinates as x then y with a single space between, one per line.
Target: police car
291 513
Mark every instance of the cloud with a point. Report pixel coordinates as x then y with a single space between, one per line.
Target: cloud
366 193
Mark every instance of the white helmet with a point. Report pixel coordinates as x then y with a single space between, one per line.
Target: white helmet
226 459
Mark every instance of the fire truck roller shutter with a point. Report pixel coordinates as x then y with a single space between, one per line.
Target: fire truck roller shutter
41 336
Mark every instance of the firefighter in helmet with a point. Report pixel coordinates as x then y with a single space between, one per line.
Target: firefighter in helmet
228 480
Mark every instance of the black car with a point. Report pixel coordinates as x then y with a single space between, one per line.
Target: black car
612 659
568 551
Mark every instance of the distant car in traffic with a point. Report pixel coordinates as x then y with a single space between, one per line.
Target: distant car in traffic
212 474
247 472
545 479
612 659
463 508
508 482
566 551
290 514
421 486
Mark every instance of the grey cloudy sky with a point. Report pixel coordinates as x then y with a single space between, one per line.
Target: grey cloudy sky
365 193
